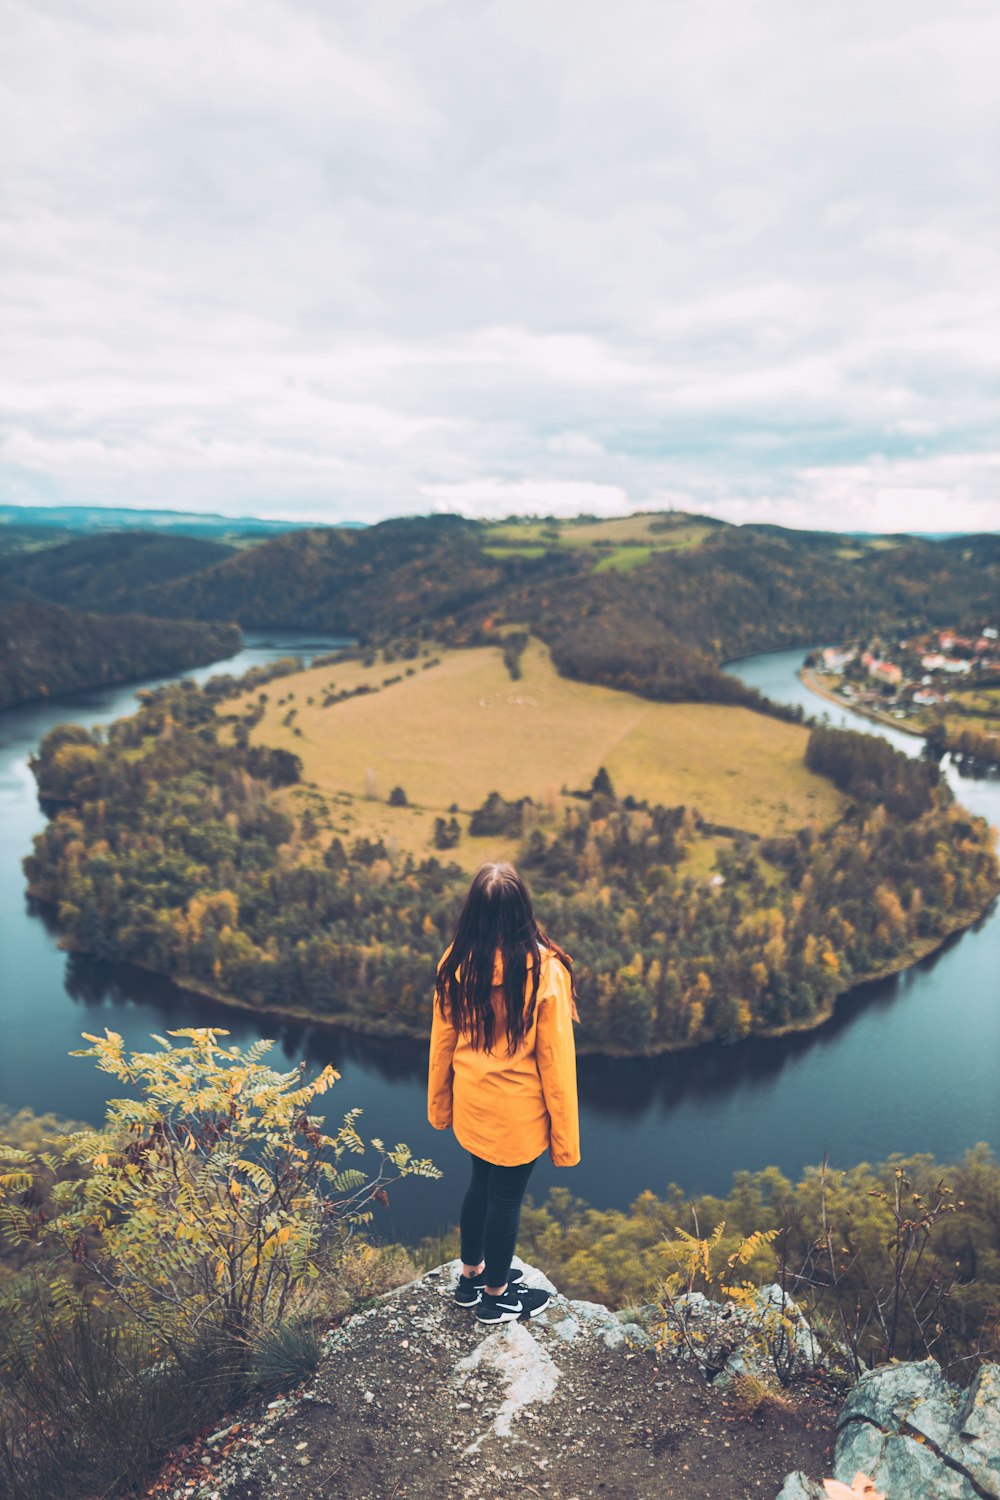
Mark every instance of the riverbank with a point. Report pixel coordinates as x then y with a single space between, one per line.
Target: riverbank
815 684
979 758
386 1030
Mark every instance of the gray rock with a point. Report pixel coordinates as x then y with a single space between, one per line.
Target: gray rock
636 1335
798 1486
731 1340
647 1314
917 1436
599 1320
915 1395
978 1421
898 1465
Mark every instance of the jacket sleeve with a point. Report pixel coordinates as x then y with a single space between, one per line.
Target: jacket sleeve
556 1054
440 1073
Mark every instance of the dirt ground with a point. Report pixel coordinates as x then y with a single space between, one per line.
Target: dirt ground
416 1399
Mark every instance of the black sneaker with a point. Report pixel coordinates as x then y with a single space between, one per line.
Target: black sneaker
468 1289
517 1301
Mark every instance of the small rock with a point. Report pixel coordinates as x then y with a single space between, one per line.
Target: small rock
799 1486
218 1436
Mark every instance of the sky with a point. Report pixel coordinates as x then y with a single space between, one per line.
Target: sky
327 261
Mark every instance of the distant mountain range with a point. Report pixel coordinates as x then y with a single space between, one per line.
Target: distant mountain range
33 521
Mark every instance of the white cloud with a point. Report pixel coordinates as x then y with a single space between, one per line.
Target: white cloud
575 445
331 260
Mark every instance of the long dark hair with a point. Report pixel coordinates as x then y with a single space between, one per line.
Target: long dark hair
497 917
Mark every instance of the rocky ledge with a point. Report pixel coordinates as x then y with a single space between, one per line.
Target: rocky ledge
416 1399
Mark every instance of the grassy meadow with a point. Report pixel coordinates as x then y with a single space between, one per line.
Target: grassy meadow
453 726
623 543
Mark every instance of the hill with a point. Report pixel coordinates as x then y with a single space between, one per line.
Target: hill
104 572
413 1398
397 575
623 603
29 538
46 649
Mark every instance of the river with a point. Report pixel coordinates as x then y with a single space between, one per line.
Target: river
906 1064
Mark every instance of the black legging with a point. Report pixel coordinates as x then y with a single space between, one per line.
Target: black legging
491 1214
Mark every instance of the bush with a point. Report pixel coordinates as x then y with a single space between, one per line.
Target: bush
87 1406
283 1356
183 1245
498 818
446 835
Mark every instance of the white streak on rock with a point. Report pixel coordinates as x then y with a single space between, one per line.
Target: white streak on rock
527 1371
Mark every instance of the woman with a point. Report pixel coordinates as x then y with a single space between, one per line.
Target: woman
503 1073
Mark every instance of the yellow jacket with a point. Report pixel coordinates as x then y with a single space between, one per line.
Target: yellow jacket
508 1110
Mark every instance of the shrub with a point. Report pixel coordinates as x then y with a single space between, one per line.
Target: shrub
183 1241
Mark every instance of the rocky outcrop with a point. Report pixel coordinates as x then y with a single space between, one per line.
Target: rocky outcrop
415 1399
917 1436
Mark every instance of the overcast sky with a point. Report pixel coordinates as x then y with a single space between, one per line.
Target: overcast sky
342 261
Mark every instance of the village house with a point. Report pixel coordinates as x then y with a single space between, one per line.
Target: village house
885 672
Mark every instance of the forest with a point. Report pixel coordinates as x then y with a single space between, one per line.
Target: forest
47 649
173 851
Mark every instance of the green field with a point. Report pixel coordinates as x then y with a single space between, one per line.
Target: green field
513 550
622 543
451 733
624 559
984 702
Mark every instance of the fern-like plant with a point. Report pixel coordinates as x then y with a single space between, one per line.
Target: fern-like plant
209 1192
